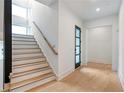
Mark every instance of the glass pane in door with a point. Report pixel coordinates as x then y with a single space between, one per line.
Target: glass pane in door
77 33
77 41
78 59
77 50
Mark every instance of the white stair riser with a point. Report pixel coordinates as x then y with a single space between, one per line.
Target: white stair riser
24 46
32 85
26 51
32 75
27 65
28 61
22 39
24 69
26 56
22 36
29 81
29 72
22 42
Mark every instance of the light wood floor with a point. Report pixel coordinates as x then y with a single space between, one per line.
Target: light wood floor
91 78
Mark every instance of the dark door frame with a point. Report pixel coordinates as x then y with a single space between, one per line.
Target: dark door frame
77 64
7 40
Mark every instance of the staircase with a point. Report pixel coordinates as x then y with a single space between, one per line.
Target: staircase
29 66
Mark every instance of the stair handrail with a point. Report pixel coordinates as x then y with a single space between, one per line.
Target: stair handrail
49 44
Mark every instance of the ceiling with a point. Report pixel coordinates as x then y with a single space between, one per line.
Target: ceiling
46 2
86 9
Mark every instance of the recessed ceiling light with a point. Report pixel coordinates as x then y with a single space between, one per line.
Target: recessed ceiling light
98 9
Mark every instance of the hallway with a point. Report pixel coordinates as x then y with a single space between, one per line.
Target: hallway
94 77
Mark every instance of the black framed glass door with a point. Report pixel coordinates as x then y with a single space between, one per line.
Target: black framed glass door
77 46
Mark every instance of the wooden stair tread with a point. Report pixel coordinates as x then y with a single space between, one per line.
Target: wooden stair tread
23 43
25 82
31 75
28 61
26 69
26 51
23 39
26 58
23 55
29 64
33 46
34 84
22 36
29 72
24 64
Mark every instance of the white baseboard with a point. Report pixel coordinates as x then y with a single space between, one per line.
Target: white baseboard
65 74
121 79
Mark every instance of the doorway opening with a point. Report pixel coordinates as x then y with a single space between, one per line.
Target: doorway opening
100 45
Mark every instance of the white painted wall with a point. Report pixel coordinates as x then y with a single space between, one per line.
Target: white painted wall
46 17
100 45
58 24
1 18
51 58
83 46
1 44
121 44
109 21
67 22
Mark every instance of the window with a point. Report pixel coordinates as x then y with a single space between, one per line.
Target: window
23 14
18 30
19 11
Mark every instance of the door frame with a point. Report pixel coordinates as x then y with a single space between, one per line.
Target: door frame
77 64
7 40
